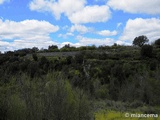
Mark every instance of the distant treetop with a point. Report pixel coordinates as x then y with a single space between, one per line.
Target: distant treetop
140 41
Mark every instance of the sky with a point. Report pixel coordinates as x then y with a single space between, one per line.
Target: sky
40 23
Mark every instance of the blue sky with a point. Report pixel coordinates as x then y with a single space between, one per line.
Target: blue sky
40 23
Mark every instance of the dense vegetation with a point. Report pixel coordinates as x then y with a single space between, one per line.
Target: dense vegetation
76 86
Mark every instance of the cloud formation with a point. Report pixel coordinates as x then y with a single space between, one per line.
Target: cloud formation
76 10
94 41
26 34
139 26
107 33
2 1
91 14
66 35
80 28
136 6
57 8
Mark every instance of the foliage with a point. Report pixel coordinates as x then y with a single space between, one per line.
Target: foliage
75 85
35 57
49 98
53 48
146 51
67 48
157 43
140 41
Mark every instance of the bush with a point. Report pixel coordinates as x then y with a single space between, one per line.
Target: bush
158 56
136 104
153 65
147 51
17 108
148 110
102 92
65 103
157 43
34 56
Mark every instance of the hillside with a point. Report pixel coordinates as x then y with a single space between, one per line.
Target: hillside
79 83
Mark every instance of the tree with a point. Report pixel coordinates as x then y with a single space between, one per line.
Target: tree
53 48
147 51
67 46
34 56
34 49
62 102
93 47
157 42
33 69
140 41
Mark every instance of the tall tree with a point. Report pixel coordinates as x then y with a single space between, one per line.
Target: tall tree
140 41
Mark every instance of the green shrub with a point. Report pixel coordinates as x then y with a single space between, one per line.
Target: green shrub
157 43
17 108
147 51
102 92
136 104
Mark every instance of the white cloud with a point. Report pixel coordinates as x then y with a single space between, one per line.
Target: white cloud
26 34
136 27
119 24
3 43
80 28
27 28
107 33
2 1
57 7
100 0
75 10
120 42
64 36
136 6
72 44
65 27
91 14
3 46
94 41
